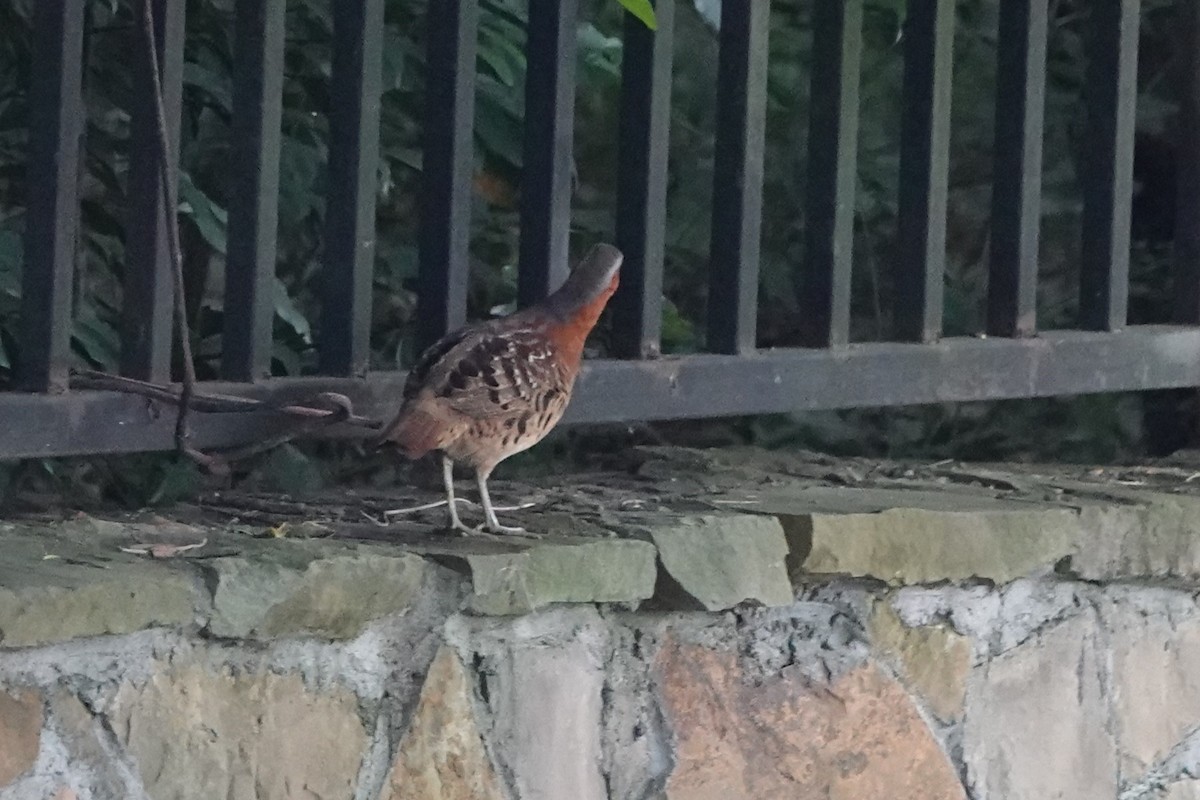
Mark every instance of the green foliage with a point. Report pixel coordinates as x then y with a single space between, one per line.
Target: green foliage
1088 429
985 429
133 481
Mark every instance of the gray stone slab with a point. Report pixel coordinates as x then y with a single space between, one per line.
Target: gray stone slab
56 585
547 706
1155 674
1150 535
917 545
289 591
721 560
1036 720
606 570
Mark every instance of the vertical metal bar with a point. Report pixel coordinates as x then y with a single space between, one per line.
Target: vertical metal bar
1187 164
738 175
549 129
443 271
254 190
52 215
1017 182
924 165
355 85
148 306
1108 179
832 172
643 136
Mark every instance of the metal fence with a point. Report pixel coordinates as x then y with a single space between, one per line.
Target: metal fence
1014 360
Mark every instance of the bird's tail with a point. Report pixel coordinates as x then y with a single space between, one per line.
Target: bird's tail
415 431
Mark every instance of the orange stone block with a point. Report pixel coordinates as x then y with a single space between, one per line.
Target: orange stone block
21 721
859 738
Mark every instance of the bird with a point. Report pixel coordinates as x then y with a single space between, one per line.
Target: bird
492 389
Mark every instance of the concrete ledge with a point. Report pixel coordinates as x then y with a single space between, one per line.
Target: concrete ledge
904 546
960 633
705 530
719 561
288 593
603 571
55 584
1150 535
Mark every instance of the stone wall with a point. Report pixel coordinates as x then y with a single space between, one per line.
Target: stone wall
730 625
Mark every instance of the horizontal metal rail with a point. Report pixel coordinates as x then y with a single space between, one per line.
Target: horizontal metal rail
694 386
733 377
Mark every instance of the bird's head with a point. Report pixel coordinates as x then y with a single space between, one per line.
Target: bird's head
590 284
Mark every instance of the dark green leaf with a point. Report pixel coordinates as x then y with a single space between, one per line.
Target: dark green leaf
180 478
11 253
212 83
393 59
643 10
299 166
287 310
599 52
498 121
97 341
288 359
210 219
410 157
287 469
500 49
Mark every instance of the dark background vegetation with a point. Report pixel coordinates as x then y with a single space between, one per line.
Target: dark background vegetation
1081 429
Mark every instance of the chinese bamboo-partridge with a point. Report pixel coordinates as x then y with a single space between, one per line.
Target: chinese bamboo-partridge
492 389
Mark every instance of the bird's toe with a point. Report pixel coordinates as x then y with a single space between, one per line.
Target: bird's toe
508 530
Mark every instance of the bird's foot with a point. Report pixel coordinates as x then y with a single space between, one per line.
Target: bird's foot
482 531
506 530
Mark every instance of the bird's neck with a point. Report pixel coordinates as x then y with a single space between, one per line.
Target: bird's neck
571 331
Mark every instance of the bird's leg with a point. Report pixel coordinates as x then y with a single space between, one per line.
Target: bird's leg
448 478
492 523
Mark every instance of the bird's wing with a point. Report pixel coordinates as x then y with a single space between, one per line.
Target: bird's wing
429 368
498 370
427 364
